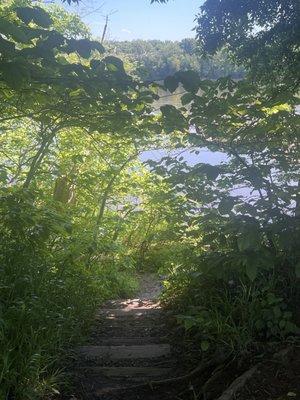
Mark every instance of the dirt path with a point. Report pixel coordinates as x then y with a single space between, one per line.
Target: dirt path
131 348
128 347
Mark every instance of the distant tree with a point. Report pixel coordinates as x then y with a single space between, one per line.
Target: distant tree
156 59
188 46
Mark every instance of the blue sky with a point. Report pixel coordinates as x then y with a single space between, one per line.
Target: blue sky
138 19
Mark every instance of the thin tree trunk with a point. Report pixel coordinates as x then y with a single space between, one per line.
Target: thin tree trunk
104 30
38 158
102 205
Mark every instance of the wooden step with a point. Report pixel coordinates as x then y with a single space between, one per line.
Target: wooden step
127 312
130 373
132 303
125 352
123 341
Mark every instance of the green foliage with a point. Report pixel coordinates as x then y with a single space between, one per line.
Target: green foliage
79 211
262 35
154 60
232 315
68 171
243 214
35 14
46 299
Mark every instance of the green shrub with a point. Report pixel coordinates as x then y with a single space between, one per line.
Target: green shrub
167 256
233 313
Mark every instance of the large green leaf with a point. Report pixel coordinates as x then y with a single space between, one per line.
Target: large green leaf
84 47
14 31
226 205
251 239
211 171
187 98
114 64
15 74
3 175
35 14
6 47
173 118
205 345
251 268
297 270
171 83
190 80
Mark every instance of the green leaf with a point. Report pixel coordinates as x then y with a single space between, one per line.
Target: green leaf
173 119
190 80
35 14
254 176
249 240
205 345
97 65
53 40
15 74
6 47
297 270
290 327
189 323
211 171
114 64
13 30
187 98
3 175
226 205
82 46
251 269
98 46
277 312
171 83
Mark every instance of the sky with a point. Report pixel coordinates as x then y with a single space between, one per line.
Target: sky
138 19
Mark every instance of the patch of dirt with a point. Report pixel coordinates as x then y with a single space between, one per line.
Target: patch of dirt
275 379
150 287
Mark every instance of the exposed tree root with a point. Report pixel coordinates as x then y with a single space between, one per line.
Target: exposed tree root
219 371
217 359
238 384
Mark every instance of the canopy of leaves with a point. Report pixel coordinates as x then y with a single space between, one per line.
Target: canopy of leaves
263 35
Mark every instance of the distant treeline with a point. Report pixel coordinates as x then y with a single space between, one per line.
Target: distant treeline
156 59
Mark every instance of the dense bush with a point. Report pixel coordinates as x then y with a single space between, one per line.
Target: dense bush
239 290
233 315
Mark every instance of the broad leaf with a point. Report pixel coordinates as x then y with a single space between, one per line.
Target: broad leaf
204 345
226 205
35 14
251 269
171 83
250 239
187 98
190 80
173 119
297 270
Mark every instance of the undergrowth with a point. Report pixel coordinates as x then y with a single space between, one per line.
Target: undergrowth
234 315
48 297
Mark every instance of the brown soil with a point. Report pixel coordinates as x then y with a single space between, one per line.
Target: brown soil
275 380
